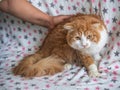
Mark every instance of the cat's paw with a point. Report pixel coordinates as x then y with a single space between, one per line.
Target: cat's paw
93 71
94 74
67 66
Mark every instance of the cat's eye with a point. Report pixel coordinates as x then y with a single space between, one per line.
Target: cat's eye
89 36
78 38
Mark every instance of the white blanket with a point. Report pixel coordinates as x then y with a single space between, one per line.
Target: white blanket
18 39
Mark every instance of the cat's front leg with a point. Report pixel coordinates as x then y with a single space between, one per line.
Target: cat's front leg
97 58
88 63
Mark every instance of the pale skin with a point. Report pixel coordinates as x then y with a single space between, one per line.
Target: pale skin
27 12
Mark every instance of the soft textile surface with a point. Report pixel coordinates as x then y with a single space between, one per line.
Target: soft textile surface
18 39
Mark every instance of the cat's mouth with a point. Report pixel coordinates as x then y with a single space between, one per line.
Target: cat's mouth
85 46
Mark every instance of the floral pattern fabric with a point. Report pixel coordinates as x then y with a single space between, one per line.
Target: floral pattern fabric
19 38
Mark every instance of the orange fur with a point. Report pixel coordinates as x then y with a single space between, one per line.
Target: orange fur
55 51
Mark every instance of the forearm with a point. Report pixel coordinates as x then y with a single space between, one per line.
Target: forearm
27 12
24 10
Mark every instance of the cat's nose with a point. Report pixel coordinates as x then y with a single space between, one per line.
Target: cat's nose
85 45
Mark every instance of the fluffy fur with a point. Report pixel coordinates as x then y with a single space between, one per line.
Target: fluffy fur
78 40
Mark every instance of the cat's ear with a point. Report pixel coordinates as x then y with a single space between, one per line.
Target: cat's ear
68 26
96 25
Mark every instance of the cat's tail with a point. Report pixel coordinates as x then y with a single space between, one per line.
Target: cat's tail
29 67
26 62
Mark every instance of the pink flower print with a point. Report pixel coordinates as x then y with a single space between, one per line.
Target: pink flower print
86 89
112 47
26 88
11 81
41 40
108 57
78 3
47 86
23 48
113 28
7 16
97 88
14 29
35 48
8 25
118 43
115 73
104 0
95 80
92 1
69 8
90 10
114 78
7 64
119 23
17 57
46 5
82 0
30 34
64 83
111 85
28 26
99 4
37 88
11 40
24 30
19 37
113 38
55 1
106 71
10 86
107 21
116 67
10 32
29 42
114 9
57 11
35 31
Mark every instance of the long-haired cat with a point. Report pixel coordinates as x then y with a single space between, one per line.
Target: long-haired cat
78 40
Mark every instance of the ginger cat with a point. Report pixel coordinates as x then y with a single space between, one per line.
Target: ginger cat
78 40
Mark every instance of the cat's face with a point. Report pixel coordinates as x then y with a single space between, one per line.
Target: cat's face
79 41
83 35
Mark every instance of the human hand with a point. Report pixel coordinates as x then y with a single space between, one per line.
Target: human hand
60 18
52 21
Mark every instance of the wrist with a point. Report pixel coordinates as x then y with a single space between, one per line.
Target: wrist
50 22
46 20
